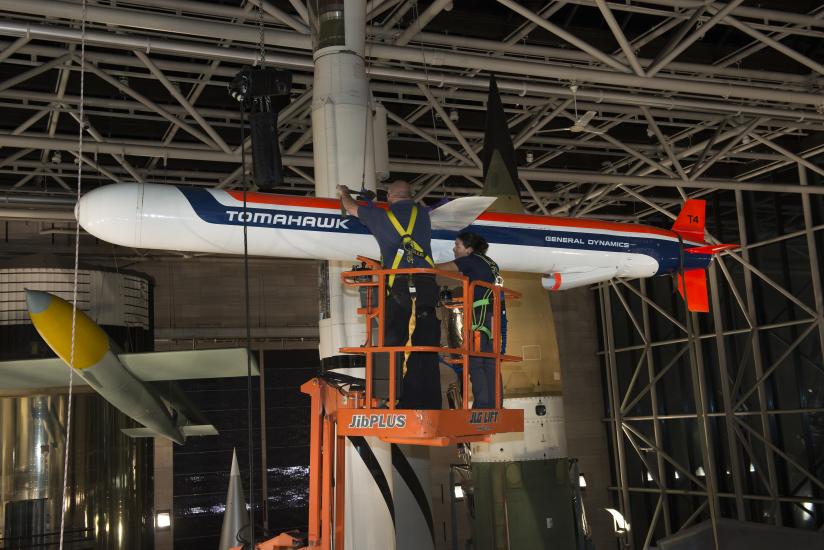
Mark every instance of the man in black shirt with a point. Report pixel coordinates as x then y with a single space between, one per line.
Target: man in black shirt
471 260
404 234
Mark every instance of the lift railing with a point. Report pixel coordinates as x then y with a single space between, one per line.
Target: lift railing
374 281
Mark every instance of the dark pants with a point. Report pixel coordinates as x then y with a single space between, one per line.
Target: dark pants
482 376
421 388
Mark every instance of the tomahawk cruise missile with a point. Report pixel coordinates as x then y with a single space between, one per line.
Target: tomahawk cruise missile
568 252
96 364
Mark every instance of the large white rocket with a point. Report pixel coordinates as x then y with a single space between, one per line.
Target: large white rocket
344 144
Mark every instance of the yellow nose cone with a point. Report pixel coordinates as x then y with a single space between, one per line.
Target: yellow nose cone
52 317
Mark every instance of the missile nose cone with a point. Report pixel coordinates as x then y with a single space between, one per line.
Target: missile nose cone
111 212
37 300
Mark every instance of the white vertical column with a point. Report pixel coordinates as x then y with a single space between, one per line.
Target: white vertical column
163 491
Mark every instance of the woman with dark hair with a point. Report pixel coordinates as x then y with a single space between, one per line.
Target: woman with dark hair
471 260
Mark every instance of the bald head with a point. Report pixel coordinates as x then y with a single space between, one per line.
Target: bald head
398 190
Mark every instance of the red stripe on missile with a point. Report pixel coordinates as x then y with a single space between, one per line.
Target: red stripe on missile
285 200
312 202
572 222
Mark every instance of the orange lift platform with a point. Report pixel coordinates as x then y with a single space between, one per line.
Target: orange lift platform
341 409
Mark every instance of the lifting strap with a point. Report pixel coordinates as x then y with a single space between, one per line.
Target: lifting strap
409 247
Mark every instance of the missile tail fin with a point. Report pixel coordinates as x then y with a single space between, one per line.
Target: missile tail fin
690 222
692 286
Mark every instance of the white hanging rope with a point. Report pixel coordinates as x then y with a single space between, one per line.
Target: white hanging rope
81 124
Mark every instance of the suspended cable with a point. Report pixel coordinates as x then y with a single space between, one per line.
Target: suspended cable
247 299
431 107
80 129
370 103
248 316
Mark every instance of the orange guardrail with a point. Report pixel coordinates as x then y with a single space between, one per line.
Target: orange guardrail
374 277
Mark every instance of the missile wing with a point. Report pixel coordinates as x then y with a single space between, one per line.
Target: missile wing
459 213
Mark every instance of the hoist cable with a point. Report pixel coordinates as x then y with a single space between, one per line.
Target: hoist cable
247 305
80 129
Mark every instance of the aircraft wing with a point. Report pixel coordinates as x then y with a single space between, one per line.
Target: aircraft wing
188 430
32 374
188 364
459 213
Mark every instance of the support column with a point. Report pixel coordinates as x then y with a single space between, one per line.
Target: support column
723 375
656 423
818 293
615 408
756 355
700 394
163 492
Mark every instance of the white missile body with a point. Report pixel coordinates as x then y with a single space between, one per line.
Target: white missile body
568 252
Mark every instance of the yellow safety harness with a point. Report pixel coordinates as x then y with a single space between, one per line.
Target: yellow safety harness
409 247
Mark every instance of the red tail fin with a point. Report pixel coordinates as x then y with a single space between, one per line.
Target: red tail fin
690 222
694 282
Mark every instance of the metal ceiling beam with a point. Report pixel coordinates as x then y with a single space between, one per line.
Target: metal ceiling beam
540 121
566 36
451 125
699 168
426 136
415 167
10 50
281 15
759 14
789 154
473 97
696 35
809 153
618 33
137 96
664 142
402 9
40 69
121 159
129 107
422 21
175 93
676 37
300 8
180 25
532 87
541 53
774 44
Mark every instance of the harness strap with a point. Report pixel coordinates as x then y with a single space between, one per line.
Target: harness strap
479 307
479 314
408 244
